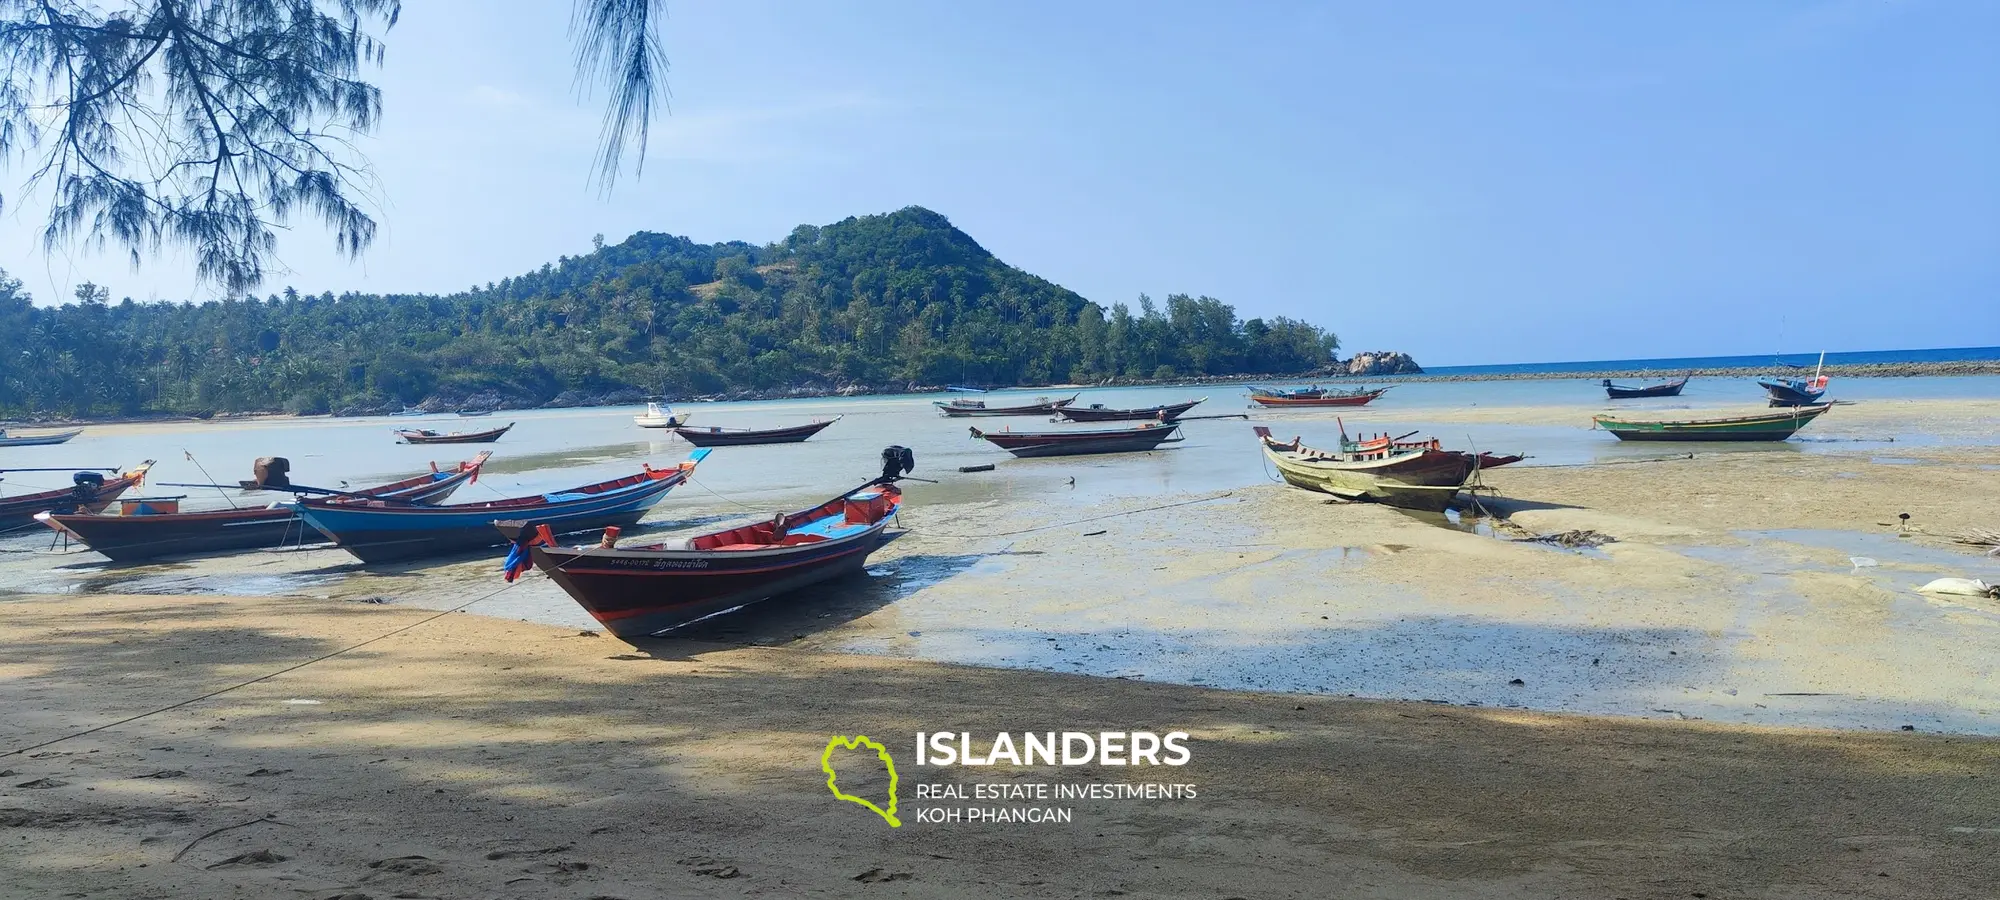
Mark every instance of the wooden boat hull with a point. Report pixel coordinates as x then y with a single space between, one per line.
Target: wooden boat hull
40 440
1423 480
1360 399
381 533
1621 392
744 437
635 592
1167 413
1789 395
1776 427
1032 409
1033 445
147 537
474 437
19 512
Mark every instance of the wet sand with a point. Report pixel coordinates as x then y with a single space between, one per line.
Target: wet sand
473 757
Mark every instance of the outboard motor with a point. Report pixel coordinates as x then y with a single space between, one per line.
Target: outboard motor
271 471
897 462
86 485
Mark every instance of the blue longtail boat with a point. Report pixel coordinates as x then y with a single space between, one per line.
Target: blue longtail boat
378 532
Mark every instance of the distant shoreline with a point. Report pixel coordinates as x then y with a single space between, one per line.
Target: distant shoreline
1851 370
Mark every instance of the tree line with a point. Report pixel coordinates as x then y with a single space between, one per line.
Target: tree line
882 302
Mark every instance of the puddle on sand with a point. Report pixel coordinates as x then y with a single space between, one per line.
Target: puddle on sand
1483 526
1895 461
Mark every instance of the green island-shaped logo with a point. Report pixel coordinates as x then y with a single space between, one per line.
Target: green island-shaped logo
854 743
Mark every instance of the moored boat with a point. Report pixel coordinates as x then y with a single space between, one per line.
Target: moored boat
660 415
1775 426
1421 476
636 591
1797 391
1032 444
1627 392
1098 412
960 409
1302 393
375 531
427 436
735 437
37 440
1357 397
88 492
154 527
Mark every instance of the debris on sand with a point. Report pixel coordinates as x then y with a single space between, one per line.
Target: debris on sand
1582 538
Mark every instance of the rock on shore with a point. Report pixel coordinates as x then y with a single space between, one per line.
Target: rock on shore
1378 362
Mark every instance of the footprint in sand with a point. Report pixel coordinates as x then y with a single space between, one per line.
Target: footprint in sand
511 854
42 783
266 773
875 875
253 859
408 866
163 773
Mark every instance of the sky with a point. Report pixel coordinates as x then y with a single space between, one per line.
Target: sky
1471 182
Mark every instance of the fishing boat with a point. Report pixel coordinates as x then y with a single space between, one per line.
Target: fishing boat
1032 444
660 415
1420 476
474 413
37 440
643 590
1098 412
427 436
737 437
377 531
959 409
1356 397
88 492
1625 392
963 389
154 527
1305 393
1796 391
409 411
1775 426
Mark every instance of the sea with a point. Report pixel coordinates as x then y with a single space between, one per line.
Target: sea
1776 361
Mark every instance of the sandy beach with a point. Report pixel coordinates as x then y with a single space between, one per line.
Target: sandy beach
470 757
1717 703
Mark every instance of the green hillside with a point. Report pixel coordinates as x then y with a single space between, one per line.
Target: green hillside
884 302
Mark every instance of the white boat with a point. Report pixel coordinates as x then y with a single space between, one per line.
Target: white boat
37 440
659 415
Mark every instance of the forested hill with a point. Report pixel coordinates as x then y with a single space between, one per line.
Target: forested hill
878 302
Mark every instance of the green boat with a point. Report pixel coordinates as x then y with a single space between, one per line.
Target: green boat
1763 427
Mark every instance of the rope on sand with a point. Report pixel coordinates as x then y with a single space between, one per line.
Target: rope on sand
1115 515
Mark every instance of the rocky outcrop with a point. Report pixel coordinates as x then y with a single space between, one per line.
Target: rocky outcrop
1379 362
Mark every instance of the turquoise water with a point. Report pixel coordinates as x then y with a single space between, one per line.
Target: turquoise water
1776 362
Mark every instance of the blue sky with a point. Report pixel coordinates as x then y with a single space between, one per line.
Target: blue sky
1473 182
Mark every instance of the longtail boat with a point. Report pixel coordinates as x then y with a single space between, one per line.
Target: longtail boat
1098 412
154 527
959 409
736 437
1357 397
1775 426
1797 391
88 492
1304 393
376 531
1031 444
1410 475
427 436
1626 392
643 590
37 440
